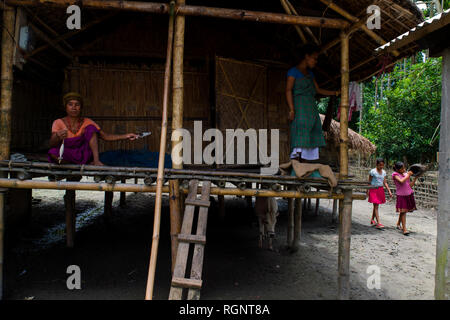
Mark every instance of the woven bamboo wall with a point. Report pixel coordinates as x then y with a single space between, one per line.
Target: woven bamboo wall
35 106
124 98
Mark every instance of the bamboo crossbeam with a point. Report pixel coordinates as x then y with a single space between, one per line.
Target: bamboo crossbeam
163 8
123 187
297 28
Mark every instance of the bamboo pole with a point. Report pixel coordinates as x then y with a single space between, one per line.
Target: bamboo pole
50 42
86 186
345 225
163 8
343 165
7 53
162 153
177 123
290 225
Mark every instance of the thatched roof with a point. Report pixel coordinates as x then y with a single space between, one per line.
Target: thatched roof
265 41
356 141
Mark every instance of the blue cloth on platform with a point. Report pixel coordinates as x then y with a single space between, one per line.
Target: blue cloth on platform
134 158
314 174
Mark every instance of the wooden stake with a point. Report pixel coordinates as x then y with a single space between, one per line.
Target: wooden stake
344 106
177 123
290 226
108 206
345 225
162 152
123 196
334 212
7 52
297 224
69 202
163 8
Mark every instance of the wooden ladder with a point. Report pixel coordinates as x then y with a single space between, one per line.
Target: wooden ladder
186 239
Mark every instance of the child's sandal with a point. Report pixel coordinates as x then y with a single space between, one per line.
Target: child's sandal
379 226
373 223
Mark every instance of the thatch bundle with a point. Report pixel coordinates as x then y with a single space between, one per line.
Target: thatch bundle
356 141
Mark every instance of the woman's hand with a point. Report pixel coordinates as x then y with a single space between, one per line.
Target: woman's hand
131 136
61 134
291 115
390 194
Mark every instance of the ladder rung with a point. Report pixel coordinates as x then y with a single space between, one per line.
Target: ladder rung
192 238
187 283
197 202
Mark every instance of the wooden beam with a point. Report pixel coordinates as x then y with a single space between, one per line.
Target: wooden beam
354 19
51 43
163 8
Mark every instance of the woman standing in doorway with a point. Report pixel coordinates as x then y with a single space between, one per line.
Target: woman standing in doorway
301 88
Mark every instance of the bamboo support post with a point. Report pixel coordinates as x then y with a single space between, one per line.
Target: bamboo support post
177 123
290 225
221 204
345 225
7 52
297 224
123 196
343 152
69 202
162 152
442 283
316 211
108 206
334 212
163 8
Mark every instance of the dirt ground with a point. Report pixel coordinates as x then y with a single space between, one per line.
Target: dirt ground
114 257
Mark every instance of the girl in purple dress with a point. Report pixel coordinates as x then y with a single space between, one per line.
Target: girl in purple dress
405 194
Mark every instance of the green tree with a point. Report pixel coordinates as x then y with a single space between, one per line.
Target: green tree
403 122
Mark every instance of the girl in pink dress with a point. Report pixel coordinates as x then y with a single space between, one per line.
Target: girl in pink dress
377 178
405 194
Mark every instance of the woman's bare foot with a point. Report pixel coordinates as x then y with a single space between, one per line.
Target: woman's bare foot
97 163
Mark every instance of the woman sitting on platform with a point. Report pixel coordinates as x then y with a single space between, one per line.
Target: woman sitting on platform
79 135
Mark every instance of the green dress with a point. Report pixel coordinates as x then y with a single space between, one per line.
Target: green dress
306 128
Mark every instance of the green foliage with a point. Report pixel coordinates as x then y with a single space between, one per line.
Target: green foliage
403 121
